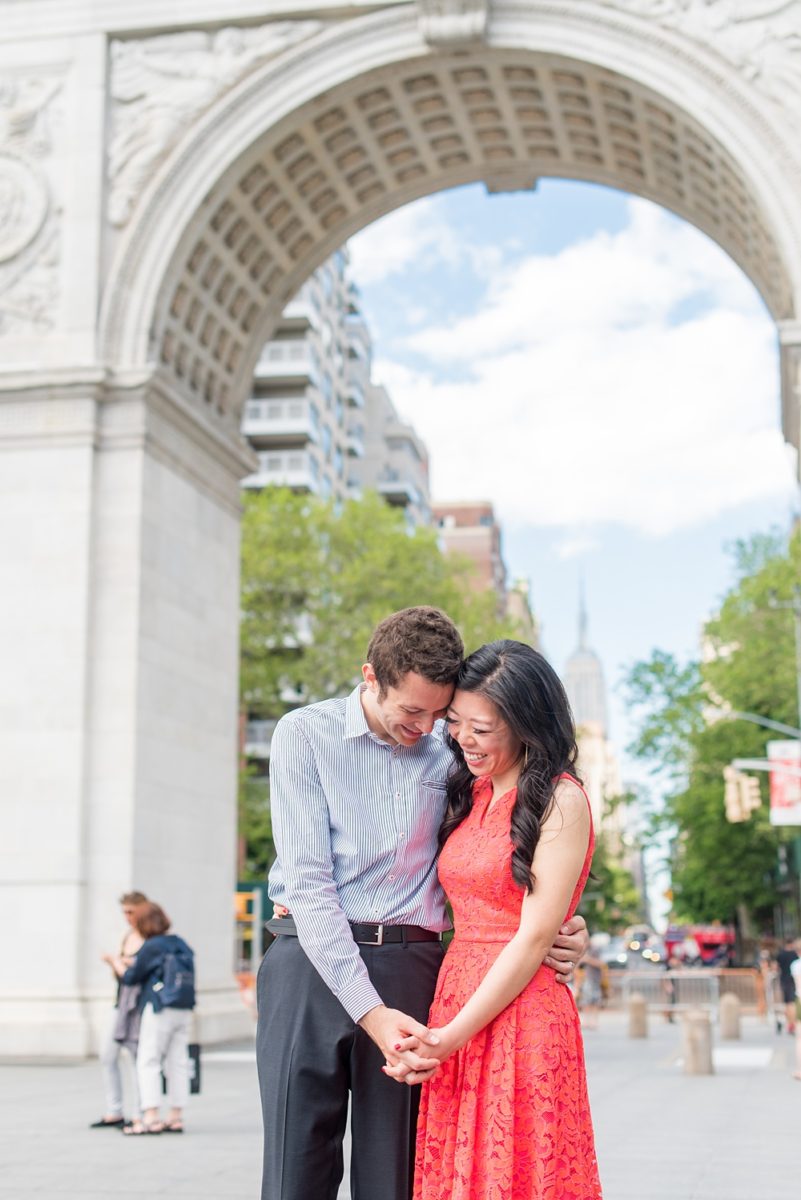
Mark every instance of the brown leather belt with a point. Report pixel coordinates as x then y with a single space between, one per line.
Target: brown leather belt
366 934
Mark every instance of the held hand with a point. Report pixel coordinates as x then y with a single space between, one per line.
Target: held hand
389 1028
280 910
400 1072
569 947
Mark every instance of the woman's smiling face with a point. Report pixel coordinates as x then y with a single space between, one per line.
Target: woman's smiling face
487 743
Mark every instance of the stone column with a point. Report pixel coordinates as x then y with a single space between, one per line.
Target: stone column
729 1010
697 1043
119 606
638 1015
790 364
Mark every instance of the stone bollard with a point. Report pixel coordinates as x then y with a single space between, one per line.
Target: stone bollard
729 1016
638 1016
697 1044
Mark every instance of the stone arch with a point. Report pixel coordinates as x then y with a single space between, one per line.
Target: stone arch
198 207
362 118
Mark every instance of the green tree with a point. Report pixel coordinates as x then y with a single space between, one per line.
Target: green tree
722 870
316 579
611 898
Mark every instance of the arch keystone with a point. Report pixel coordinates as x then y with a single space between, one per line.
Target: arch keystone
453 23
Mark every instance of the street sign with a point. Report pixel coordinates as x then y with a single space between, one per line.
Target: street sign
785 785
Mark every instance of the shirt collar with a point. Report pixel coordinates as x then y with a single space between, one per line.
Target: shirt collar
355 720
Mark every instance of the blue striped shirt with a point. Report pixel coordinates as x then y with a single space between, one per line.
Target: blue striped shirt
355 823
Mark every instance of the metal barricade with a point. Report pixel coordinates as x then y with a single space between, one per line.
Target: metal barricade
747 984
675 991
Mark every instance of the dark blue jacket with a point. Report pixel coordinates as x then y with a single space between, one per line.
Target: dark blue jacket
148 967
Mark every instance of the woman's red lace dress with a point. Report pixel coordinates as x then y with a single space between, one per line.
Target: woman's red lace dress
506 1117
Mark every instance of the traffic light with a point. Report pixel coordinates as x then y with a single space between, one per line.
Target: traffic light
731 795
741 794
750 795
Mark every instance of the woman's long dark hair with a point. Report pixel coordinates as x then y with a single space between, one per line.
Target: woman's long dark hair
528 695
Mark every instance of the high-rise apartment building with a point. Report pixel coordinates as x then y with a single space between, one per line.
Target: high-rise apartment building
469 528
302 420
395 462
319 424
518 607
316 420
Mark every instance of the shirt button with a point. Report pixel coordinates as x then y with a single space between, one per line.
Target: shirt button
397 795
401 836
391 878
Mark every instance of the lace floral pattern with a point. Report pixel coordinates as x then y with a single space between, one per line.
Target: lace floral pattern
507 1117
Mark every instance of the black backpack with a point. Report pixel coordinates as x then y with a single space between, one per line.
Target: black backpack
177 986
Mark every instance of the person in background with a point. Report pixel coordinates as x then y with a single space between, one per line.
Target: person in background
784 961
164 968
113 1046
590 993
795 974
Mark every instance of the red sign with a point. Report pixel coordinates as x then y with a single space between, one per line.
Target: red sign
785 785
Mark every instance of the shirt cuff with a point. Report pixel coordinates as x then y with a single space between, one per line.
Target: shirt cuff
358 998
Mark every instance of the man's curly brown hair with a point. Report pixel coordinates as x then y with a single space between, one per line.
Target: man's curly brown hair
421 639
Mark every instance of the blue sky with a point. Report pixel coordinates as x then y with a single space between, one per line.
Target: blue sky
605 375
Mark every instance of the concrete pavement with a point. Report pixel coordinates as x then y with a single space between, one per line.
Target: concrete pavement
661 1135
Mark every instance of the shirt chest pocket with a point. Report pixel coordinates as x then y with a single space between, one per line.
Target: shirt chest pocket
433 802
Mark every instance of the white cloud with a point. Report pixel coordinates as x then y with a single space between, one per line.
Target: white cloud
577 546
390 245
589 400
411 235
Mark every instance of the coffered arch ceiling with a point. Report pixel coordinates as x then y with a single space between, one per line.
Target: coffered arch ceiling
406 130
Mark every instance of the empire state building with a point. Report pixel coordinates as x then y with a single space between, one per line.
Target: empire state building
586 690
584 682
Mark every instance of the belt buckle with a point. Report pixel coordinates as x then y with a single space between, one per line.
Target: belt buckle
379 941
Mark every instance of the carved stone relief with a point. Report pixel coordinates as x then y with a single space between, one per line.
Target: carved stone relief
160 84
29 213
762 38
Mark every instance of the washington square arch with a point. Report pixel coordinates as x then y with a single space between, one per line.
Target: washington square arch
170 173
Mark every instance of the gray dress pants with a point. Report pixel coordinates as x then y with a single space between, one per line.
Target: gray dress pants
311 1056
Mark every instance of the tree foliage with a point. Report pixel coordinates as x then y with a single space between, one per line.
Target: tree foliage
317 579
611 899
722 870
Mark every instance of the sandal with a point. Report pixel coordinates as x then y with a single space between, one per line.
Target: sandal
173 1127
139 1129
116 1123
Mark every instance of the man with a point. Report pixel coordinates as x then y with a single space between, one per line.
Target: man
357 799
784 961
795 974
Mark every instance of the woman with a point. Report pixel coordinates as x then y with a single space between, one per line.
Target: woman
123 1033
506 1115
165 969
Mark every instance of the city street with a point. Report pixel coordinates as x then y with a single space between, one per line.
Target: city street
661 1135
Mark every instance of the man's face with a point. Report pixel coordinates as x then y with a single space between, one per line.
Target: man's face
407 712
129 912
